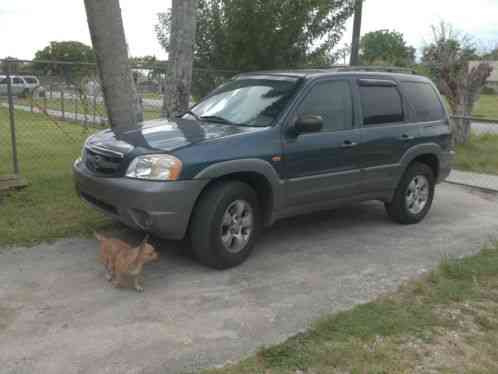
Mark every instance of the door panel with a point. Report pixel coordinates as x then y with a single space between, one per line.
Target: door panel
386 134
322 166
381 152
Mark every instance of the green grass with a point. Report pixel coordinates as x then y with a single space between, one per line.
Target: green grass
152 95
480 155
446 321
48 208
487 107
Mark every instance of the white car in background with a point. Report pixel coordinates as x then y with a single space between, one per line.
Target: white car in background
32 82
21 85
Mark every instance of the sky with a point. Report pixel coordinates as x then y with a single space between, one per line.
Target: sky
29 25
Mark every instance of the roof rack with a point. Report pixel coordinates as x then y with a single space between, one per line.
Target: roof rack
374 68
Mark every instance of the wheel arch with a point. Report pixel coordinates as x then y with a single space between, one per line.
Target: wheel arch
428 154
259 174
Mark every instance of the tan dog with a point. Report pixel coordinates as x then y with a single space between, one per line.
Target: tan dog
121 260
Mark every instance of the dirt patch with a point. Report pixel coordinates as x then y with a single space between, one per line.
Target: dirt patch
7 316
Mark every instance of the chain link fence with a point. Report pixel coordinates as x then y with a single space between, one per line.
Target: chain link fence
56 106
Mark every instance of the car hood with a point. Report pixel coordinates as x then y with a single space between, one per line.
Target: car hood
165 135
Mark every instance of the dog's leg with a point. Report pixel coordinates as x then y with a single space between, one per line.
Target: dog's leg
108 274
136 283
117 280
108 270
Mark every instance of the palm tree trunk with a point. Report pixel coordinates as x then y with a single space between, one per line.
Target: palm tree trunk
179 78
106 29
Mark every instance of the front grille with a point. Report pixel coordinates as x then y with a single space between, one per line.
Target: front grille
103 164
100 204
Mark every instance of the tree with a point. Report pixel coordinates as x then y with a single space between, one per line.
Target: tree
106 29
67 51
181 57
447 59
240 35
386 47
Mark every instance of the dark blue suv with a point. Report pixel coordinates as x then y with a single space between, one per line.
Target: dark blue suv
270 145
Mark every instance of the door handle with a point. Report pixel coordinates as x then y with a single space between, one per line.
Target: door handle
407 137
348 144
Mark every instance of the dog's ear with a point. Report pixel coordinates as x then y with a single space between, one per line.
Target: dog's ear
144 242
98 236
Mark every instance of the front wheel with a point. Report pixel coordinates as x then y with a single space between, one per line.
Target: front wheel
414 195
225 225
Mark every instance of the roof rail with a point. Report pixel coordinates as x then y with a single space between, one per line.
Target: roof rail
374 68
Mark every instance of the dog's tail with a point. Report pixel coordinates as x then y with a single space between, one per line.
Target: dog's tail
98 236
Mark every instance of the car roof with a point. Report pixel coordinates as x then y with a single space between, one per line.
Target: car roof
388 72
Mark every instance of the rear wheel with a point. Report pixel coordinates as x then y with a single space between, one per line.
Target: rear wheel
414 195
225 225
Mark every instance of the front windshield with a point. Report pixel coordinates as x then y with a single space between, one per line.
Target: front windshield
254 102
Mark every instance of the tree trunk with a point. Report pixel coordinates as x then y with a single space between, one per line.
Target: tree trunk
124 108
461 127
181 55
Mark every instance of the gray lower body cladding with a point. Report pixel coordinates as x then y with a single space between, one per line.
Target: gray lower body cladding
445 164
161 208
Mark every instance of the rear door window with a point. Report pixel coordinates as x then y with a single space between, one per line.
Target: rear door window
423 101
381 105
18 80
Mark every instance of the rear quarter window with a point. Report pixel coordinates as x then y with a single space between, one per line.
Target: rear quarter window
423 101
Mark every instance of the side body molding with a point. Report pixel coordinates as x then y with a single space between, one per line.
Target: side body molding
255 165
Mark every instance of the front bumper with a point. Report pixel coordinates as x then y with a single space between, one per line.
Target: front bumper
161 208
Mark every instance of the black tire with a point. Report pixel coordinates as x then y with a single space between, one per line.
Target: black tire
398 208
205 226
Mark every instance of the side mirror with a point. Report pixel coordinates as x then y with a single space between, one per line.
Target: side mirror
308 124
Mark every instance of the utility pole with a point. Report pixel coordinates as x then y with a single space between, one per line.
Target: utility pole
355 46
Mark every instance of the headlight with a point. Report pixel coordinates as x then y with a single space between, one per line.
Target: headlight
155 167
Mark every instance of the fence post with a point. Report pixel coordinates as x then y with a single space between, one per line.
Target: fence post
62 105
95 106
76 116
12 122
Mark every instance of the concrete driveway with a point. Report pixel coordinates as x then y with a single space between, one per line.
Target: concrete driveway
59 315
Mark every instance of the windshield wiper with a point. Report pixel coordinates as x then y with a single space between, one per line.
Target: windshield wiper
189 112
217 119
